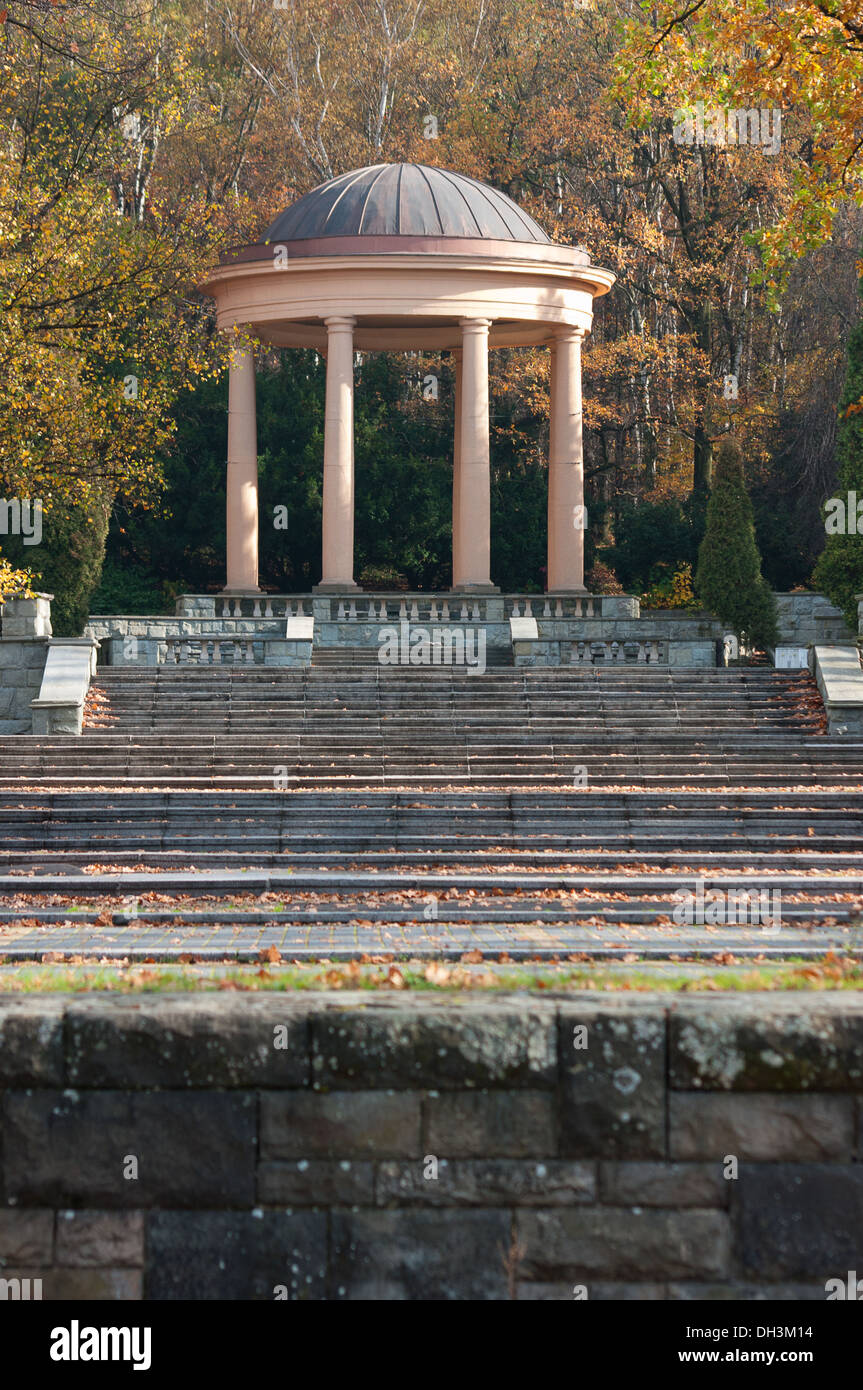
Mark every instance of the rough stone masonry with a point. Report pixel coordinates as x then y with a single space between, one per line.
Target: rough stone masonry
369 1146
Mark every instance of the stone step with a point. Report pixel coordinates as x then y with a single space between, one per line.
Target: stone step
215 883
522 910
374 858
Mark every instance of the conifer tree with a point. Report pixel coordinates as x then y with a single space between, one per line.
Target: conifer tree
728 578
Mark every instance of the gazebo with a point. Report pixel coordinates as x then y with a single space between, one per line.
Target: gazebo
402 257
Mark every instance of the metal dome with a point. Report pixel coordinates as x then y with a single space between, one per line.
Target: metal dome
405 200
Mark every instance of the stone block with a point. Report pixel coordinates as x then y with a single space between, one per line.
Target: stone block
31 1041
612 1086
17 677
580 1243
300 629
175 1042
485 1183
444 1047
316 1182
196 606
236 1256
27 617
663 1184
391 1256
490 1124
791 658
800 1221
102 1239
26 1237
72 1148
340 1124
61 720
792 1044
763 1127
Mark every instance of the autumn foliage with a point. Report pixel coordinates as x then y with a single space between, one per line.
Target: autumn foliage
140 137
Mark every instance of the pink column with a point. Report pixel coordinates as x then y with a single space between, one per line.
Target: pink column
472 513
338 504
566 515
242 502
456 467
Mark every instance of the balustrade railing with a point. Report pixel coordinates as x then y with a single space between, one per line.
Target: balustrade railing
413 610
266 606
417 608
551 607
647 651
212 651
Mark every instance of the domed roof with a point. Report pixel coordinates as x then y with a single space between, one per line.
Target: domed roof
405 200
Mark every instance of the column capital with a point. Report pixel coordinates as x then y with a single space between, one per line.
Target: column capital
342 321
568 333
474 325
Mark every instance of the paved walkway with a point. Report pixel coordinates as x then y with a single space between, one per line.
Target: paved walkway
418 940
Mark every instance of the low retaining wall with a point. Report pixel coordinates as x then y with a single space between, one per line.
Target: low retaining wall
22 665
43 679
25 631
357 1146
839 676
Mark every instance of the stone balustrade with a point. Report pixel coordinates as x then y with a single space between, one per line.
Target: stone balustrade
233 649
263 606
211 651
470 608
571 629
585 652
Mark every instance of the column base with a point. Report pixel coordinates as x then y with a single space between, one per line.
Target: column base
342 588
569 593
475 589
234 592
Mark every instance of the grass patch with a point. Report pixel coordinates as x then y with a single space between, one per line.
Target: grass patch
828 973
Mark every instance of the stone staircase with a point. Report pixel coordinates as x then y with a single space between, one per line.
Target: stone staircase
341 658
430 811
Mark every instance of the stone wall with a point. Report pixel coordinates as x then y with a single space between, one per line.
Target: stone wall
807 619
270 1146
25 631
22 664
